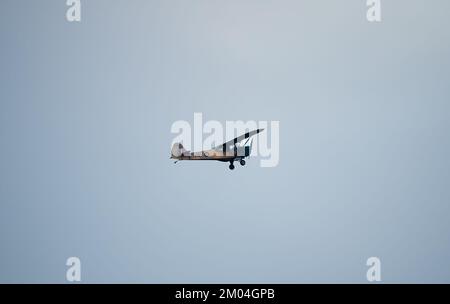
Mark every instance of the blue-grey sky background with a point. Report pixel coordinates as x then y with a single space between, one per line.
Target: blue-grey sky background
85 116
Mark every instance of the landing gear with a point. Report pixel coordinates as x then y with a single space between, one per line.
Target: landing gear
231 166
242 162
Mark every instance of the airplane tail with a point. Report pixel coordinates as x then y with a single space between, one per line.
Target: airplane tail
178 150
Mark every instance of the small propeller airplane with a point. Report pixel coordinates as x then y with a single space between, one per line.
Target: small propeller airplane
230 151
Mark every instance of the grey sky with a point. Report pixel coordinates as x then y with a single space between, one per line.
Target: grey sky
85 116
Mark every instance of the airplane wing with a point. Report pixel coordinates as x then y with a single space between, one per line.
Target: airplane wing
234 141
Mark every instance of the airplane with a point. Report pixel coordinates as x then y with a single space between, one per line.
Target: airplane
226 152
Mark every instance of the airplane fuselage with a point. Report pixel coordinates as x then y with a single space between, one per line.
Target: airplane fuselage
227 152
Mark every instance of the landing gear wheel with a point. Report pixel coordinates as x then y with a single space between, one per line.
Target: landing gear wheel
242 162
231 166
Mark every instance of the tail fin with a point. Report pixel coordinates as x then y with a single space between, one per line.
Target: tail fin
178 150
